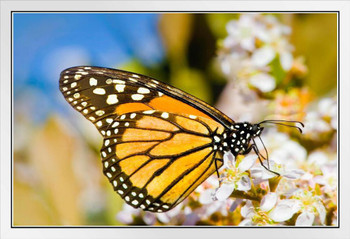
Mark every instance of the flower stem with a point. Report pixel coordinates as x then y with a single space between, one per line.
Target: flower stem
273 183
246 195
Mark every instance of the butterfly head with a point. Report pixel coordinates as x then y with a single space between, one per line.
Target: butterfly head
247 130
256 130
241 135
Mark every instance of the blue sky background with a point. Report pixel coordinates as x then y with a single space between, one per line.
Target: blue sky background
45 44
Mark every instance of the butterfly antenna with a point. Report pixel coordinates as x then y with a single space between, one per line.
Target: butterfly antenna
283 123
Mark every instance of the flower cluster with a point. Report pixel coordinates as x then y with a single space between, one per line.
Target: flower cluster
255 47
322 120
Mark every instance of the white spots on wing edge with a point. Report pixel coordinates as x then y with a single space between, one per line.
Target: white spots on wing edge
149 112
120 88
112 99
77 77
143 90
116 81
164 115
99 91
99 112
137 96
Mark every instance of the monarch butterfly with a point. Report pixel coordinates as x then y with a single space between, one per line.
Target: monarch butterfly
159 142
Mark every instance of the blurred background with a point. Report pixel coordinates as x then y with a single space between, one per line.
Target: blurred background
251 66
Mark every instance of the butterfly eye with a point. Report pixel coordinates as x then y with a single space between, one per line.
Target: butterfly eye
255 129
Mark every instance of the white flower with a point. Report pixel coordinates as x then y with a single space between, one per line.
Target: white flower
234 176
322 119
253 42
268 202
264 82
329 177
269 212
216 206
242 32
315 124
172 216
318 158
328 108
286 59
284 210
309 204
305 219
285 155
290 154
263 56
127 214
260 174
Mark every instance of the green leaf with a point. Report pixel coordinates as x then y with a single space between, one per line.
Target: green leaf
277 71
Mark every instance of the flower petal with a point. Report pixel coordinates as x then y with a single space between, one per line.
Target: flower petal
286 60
244 183
127 214
261 174
246 223
321 211
247 162
263 82
163 217
191 219
305 219
207 196
293 174
293 203
247 211
149 218
263 56
229 159
248 43
224 191
283 211
268 202
235 204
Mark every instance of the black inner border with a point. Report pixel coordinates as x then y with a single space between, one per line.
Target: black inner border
177 227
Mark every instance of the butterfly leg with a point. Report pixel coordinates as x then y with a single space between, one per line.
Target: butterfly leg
216 166
261 162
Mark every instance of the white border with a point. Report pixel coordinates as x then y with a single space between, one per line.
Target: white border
5 93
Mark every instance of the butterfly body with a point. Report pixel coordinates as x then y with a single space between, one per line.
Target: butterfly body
159 143
240 136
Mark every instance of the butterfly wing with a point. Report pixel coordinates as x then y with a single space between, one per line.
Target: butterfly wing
176 150
154 159
102 93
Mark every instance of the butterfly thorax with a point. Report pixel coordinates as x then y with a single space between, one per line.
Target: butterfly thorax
237 138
